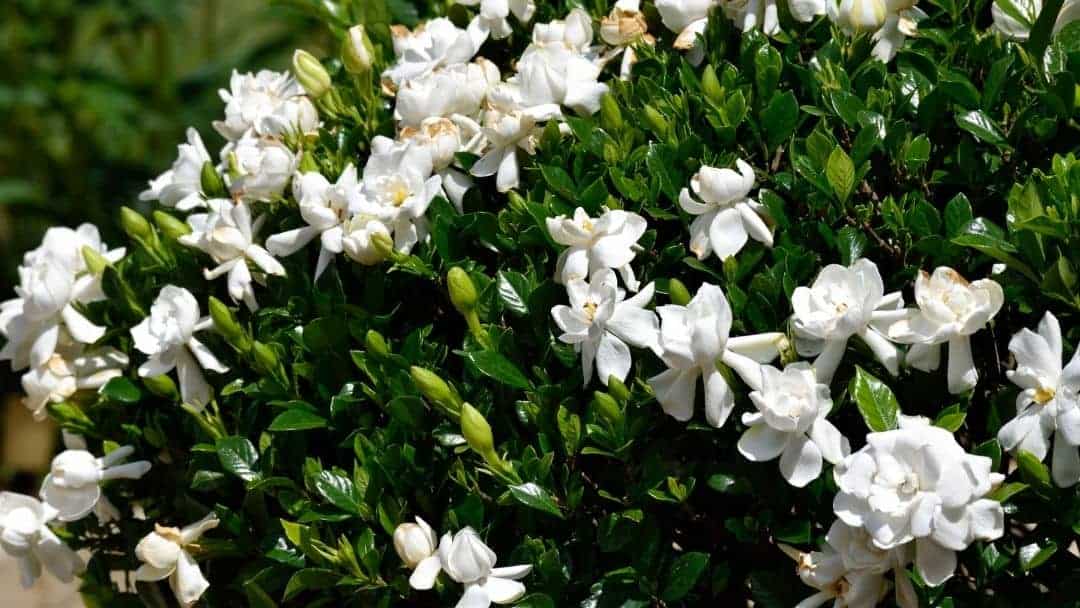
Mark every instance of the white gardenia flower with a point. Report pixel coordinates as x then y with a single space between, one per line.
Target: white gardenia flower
26 537
70 369
594 244
458 90
433 45
417 546
1015 22
693 338
181 186
624 27
164 555
790 423
64 246
917 484
398 186
727 216
260 168
442 139
1048 405
842 303
890 21
227 235
466 559
168 337
560 66
763 14
950 311
326 208
73 485
687 18
508 127
268 103
493 14
600 322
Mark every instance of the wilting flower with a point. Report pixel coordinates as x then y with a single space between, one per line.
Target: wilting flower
917 484
398 186
687 18
594 244
164 553
70 369
693 339
763 14
950 311
435 44
727 217
269 104
417 546
326 209
560 67
168 337
493 14
181 186
1048 405
260 168
466 559
845 302
227 235
790 423
508 126
600 322
624 27
25 536
73 485
1015 19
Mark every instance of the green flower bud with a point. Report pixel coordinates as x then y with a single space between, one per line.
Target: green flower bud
610 114
376 344
462 291
162 386
618 389
266 359
607 408
135 225
95 262
311 74
679 294
169 225
307 163
356 51
710 84
657 122
477 431
224 320
434 388
383 244
212 184
516 203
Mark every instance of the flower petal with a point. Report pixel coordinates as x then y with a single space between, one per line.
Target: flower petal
935 563
762 443
423 578
801 462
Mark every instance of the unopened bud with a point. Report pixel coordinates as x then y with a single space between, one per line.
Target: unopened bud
516 202
679 294
307 163
224 320
376 344
659 125
477 431
710 84
383 245
95 262
162 386
265 357
462 291
356 51
415 542
610 114
212 184
135 225
435 388
618 389
311 74
170 226
607 408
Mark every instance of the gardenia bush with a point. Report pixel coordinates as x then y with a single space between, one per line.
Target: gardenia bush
560 304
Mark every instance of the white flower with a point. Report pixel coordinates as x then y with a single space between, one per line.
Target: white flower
508 126
790 423
599 322
168 337
417 546
227 235
458 90
845 302
25 536
727 217
595 244
435 44
68 370
916 483
398 187
624 27
763 14
268 103
442 139
694 338
326 209
560 67
891 22
950 311
164 553
260 168
359 232
466 559
181 186
688 19
493 14
1015 21
73 485
64 247
1048 405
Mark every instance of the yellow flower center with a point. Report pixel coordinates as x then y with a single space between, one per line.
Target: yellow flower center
1044 395
590 310
400 195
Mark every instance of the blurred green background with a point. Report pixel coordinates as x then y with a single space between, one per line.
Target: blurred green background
94 97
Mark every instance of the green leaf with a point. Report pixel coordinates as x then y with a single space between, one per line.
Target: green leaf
239 457
981 126
536 497
987 237
1044 27
1032 556
310 578
957 215
1006 491
918 152
780 118
256 597
559 181
851 242
1032 470
683 575
513 291
497 367
122 390
840 172
951 418
341 492
875 401
297 419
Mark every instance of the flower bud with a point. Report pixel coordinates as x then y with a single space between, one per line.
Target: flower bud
862 15
224 320
170 226
710 84
477 431
606 406
356 51
265 357
311 74
95 262
610 114
435 388
383 245
516 202
462 291
657 122
414 542
135 225
376 344
212 184
680 296
162 386
617 389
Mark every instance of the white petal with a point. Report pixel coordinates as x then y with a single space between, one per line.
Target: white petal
886 352
719 399
936 564
264 260
612 358
287 243
423 578
193 386
826 363
1065 464
924 357
987 519
762 443
962 375
675 390
801 462
727 235
475 597
512 572
503 590
762 348
80 327
188 582
206 358
754 225
507 178
833 445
